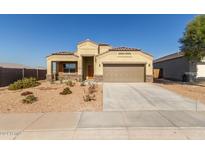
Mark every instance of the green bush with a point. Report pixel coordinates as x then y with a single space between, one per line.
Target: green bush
29 99
66 91
24 83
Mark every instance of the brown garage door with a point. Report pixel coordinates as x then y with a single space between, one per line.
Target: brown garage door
123 73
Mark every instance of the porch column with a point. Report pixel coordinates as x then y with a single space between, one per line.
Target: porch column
49 70
57 67
80 65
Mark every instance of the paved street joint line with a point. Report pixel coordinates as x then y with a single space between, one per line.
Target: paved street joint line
32 122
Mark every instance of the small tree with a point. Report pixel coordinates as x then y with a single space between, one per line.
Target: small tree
193 40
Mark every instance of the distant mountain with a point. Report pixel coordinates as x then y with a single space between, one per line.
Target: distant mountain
13 65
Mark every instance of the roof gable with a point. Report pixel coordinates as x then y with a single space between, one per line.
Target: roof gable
87 41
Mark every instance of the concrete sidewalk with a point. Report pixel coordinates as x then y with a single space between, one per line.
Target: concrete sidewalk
104 125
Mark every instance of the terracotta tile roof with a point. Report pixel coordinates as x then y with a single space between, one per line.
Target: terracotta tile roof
171 56
63 53
129 49
124 49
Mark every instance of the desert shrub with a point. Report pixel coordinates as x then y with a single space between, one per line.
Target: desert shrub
89 97
25 93
70 83
24 83
92 88
51 81
66 91
16 85
79 80
89 94
29 99
82 84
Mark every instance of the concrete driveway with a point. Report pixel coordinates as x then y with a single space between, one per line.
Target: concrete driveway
131 111
144 96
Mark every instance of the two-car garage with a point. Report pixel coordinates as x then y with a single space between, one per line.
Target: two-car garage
124 72
124 65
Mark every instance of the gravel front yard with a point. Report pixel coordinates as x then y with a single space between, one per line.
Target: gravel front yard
49 99
195 92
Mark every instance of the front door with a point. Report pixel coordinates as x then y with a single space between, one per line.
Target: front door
90 71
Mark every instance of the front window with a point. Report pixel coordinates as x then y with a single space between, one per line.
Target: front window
69 67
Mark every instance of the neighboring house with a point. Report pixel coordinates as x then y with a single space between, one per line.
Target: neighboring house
177 67
102 63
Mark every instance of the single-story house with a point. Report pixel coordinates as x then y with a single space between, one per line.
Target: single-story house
177 67
101 62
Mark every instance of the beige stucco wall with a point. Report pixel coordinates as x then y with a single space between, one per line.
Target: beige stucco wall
119 57
103 48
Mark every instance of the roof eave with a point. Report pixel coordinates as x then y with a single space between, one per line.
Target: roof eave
170 57
62 55
158 61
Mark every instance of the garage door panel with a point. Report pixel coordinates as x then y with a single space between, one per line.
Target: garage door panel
123 73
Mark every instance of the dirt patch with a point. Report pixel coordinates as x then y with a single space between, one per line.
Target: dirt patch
49 99
195 92
47 88
3 89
